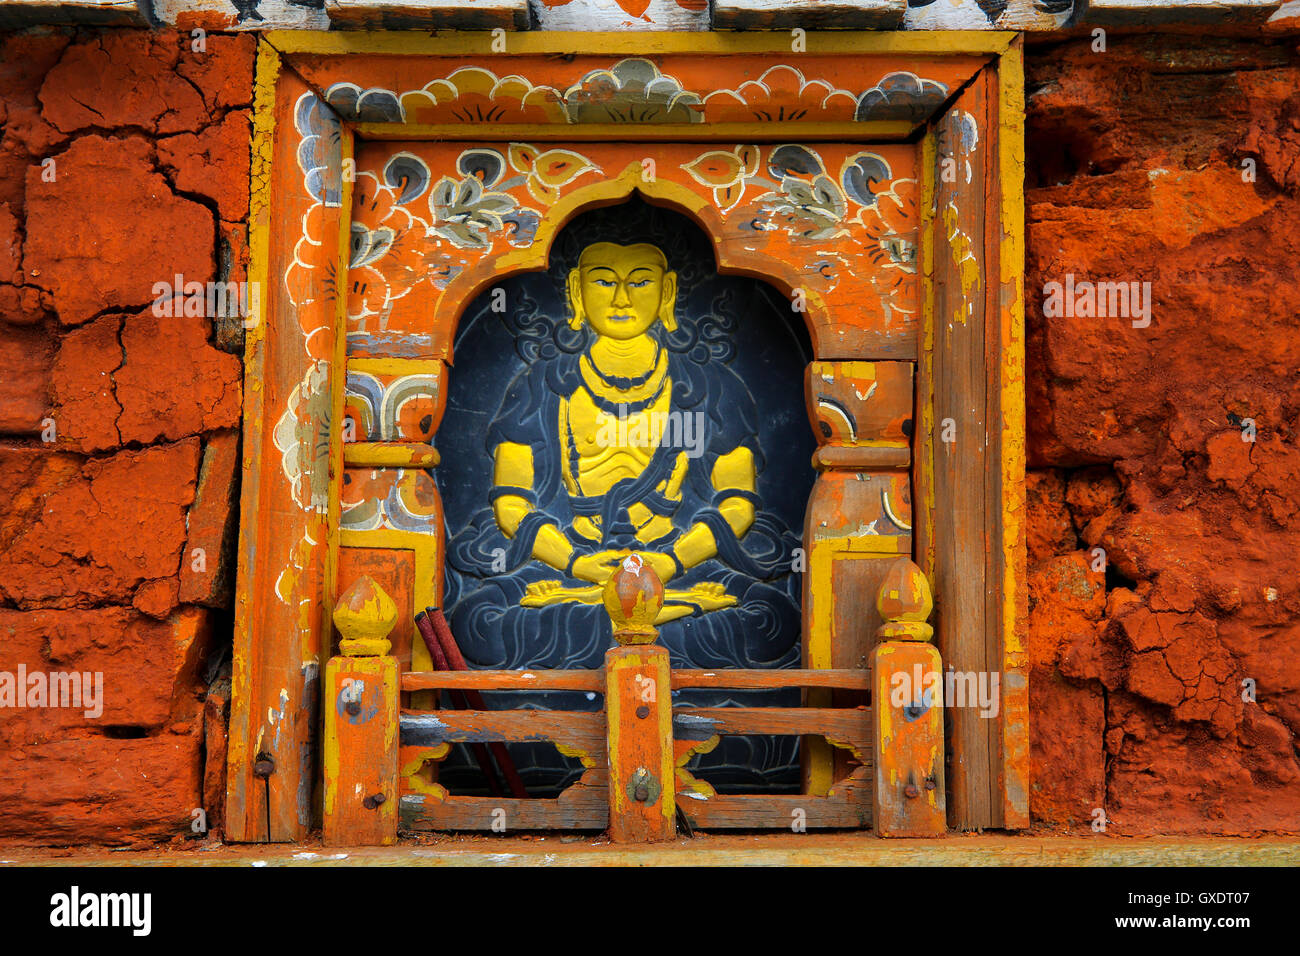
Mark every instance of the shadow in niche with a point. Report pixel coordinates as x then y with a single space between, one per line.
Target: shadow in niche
732 387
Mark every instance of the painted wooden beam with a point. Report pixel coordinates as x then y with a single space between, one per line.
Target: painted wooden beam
859 849
1168 12
227 15
428 14
21 13
621 15
808 14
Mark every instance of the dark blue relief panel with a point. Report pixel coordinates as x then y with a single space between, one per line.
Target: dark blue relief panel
727 383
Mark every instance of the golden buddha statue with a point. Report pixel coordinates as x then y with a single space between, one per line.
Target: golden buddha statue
620 464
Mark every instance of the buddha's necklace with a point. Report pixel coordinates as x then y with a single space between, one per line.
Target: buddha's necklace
618 381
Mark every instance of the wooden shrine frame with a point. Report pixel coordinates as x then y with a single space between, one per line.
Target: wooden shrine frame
966 454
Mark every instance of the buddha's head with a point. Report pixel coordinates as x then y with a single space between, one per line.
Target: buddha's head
621 290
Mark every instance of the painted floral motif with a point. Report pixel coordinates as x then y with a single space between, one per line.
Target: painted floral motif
900 96
389 498
632 91
782 94
805 193
545 172
320 151
727 172
391 408
304 451
364 106
863 201
383 227
476 95
469 211
638 8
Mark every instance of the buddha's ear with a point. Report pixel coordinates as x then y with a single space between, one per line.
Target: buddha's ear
668 302
575 299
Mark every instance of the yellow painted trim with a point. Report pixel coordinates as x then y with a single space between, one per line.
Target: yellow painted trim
1011 172
239 756
390 454
617 43
923 456
866 132
397 366
338 387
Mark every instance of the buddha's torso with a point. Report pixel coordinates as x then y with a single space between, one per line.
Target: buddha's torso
598 450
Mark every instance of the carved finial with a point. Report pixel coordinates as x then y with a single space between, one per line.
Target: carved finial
365 615
634 596
904 603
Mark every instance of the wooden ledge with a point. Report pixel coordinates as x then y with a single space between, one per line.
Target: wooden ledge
783 849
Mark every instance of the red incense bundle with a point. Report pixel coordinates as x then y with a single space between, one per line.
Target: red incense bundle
481 756
456 660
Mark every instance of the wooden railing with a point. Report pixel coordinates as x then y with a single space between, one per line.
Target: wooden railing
634 752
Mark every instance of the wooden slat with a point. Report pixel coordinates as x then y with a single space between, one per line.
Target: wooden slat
963 457
583 806
808 14
846 726
839 679
847 806
593 680
588 680
574 730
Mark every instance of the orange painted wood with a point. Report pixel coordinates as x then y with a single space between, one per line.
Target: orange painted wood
582 806
642 778
841 679
963 459
876 313
360 751
576 730
847 806
281 620
594 680
908 741
849 726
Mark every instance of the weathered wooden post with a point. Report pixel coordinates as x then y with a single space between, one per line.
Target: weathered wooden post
361 705
638 707
907 703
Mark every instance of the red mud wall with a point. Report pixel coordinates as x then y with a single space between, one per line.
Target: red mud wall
1135 434
124 162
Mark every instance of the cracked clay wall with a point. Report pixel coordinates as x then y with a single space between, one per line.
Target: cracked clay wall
123 163
1136 436
119 445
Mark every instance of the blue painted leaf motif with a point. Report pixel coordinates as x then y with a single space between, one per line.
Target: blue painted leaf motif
798 160
367 245
860 172
900 96
320 152
408 175
485 165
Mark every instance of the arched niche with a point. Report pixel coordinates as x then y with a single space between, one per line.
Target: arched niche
736 363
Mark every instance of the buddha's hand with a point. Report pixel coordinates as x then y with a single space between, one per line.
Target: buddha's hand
599 566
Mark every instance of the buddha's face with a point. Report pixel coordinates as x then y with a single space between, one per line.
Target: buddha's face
622 290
